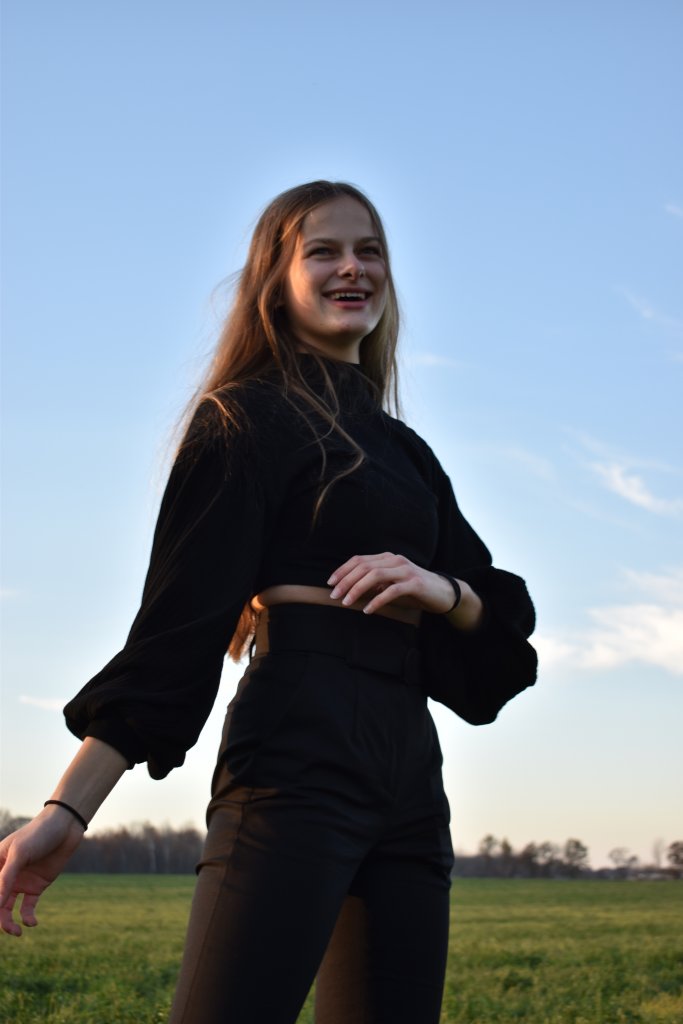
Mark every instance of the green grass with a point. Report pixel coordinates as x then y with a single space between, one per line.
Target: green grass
540 952
565 953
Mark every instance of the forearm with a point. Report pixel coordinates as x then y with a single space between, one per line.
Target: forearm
89 779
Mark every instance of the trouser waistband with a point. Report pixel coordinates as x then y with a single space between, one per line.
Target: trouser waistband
371 642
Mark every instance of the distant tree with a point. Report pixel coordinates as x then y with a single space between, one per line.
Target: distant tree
632 865
527 860
674 855
575 857
625 863
141 849
547 854
10 822
506 859
489 846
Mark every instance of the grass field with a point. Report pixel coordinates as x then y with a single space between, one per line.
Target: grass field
541 952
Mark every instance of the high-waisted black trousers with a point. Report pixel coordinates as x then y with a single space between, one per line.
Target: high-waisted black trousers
328 851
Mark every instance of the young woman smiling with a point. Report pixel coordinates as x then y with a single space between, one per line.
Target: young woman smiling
304 523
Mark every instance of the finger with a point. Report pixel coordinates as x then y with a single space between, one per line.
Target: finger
387 595
8 877
352 577
372 581
358 567
7 922
28 909
357 560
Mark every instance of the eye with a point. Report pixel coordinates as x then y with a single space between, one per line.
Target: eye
320 250
371 250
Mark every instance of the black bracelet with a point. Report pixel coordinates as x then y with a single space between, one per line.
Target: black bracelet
79 817
456 590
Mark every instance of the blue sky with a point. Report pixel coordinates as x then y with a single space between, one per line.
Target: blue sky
527 160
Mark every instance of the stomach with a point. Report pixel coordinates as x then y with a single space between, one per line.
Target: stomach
294 593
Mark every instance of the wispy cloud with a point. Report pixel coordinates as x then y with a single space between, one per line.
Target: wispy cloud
666 588
553 650
647 311
674 210
44 703
628 485
432 359
646 632
605 450
621 474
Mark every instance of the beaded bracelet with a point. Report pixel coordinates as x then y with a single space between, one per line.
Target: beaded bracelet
456 590
67 807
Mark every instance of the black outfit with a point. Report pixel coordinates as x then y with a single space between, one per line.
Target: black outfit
327 801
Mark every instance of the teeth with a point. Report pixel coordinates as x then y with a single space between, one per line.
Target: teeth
347 295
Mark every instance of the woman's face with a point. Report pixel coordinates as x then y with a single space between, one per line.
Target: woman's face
335 289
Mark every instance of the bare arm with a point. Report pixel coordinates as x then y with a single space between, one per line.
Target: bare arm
90 777
32 857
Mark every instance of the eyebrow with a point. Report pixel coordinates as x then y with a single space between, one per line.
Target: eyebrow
335 241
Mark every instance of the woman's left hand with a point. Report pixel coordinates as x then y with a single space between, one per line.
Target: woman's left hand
390 578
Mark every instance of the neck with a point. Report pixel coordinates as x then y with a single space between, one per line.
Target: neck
343 354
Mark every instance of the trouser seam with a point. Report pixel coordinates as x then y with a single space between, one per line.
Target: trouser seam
215 909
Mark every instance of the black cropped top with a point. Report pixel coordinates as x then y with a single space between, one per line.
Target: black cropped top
237 517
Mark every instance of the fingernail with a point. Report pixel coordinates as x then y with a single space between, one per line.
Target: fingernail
346 600
332 580
335 592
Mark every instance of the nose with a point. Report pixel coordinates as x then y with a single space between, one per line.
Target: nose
351 268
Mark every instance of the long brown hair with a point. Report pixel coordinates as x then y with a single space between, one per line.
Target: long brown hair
257 337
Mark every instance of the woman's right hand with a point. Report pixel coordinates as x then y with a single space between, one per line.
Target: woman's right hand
30 859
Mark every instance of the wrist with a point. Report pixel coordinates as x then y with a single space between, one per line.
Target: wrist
456 588
67 809
469 614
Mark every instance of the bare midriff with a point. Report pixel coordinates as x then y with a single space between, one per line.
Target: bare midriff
294 593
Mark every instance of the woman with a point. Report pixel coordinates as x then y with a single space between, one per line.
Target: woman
302 519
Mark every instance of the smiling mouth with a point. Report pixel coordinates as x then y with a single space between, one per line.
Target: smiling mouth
348 296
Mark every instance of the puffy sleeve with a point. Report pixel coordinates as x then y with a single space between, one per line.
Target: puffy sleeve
476 672
151 700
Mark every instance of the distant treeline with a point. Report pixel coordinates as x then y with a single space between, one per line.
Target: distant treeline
496 858
136 849
147 849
